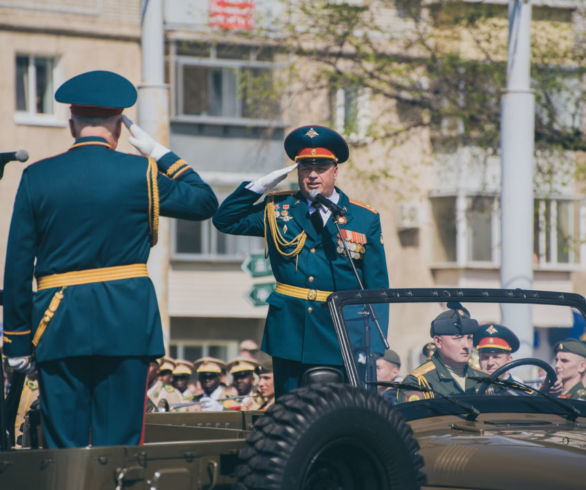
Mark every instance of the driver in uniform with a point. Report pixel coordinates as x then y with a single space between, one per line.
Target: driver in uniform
570 366
495 345
448 371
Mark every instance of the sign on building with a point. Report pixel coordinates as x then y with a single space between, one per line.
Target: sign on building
231 14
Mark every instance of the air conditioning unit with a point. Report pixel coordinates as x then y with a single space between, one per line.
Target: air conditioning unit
409 216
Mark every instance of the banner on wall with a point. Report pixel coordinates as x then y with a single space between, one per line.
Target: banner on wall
231 14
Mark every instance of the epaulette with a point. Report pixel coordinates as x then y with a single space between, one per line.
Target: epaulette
365 206
423 369
169 388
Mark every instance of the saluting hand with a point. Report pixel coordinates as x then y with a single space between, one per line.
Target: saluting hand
267 182
143 142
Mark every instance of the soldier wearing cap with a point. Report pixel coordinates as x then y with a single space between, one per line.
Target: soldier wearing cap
448 372
243 375
306 253
164 376
495 345
165 395
266 387
388 369
209 371
428 350
248 348
181 374
570 366
83 224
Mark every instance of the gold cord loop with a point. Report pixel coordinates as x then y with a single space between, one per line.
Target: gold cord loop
278 239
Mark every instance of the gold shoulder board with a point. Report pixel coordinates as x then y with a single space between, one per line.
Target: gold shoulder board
365 206
423 369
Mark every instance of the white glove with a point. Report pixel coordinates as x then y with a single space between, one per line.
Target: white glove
210 405
143 142
267 182
24 364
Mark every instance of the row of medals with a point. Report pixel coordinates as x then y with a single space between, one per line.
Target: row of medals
356 250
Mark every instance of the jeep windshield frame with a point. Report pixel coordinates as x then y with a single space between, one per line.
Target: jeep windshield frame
337 301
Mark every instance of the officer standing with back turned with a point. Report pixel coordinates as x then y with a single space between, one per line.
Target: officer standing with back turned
83 225
306 253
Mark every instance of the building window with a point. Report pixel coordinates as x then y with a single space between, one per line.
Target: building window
201 240
556 235
466 231
35 84
350 112
193 350
228 83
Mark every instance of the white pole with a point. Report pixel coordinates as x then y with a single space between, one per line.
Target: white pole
153 117
517 142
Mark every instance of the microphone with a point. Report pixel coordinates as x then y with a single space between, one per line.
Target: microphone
10 156
336 210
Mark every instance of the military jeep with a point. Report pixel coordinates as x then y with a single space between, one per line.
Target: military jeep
345 435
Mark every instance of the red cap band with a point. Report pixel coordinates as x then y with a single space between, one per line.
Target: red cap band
94 110
493 343
307 153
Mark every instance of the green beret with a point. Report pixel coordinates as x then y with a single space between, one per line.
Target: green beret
265 367
453 322
392 356
574 346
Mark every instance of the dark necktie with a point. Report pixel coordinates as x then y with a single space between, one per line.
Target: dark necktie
316 219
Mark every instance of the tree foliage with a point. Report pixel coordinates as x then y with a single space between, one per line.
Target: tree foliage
443 63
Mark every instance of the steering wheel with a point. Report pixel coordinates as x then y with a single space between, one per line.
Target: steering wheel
550 375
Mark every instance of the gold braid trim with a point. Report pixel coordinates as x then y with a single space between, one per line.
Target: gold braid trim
423 383
153 192
280 242
179 172
173 168
48 316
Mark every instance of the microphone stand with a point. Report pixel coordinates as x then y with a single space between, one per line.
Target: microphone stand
370 361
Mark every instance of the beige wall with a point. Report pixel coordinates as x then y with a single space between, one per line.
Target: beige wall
106 40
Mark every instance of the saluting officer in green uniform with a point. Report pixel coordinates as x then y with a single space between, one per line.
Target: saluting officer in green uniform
306 253
448 372
83 225
570 366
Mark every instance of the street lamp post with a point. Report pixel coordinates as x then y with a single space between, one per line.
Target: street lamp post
517 142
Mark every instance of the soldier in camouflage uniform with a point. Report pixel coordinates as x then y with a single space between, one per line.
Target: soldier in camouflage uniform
570 366
448 371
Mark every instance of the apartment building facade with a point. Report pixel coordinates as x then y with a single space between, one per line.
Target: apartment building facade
439 210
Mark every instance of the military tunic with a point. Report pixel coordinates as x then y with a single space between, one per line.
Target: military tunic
436 376
301 329
92 207
576 392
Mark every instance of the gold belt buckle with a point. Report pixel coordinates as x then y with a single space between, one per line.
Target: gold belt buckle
312 294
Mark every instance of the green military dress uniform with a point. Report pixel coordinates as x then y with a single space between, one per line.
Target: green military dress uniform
308 264
301 329
436 376
83 224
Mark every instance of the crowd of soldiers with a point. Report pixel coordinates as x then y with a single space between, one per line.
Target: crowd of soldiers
210 384
450 368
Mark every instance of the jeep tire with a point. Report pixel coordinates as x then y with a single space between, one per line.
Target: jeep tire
330 436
